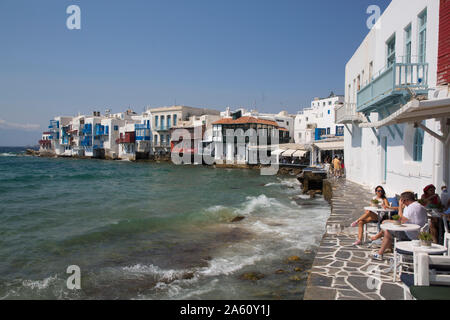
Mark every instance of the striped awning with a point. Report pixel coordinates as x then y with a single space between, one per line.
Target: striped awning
330 145
277 152
299 153
288 153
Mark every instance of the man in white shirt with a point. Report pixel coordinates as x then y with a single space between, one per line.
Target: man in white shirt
410 211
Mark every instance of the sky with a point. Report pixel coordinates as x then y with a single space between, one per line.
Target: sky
269 55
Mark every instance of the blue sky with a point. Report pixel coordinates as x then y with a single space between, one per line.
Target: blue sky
272 54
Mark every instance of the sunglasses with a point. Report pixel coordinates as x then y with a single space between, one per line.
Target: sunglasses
379 190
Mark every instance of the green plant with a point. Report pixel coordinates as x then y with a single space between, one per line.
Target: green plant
375 201
396 217
425 236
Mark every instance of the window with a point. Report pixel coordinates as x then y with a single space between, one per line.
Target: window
168 121
168 140
329 111
162 124
162 139
408 44
156 139
328 130
174 119
116 128
156 121
418 145
422 36
391 51
339 131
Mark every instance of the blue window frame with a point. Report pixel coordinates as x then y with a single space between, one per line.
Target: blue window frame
339 131
156 121
168 122
174 119
422 45
390 51
329 111
408 51
418 145
116 128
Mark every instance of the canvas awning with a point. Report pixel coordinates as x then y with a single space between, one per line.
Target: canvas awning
415 112
277 152
299 153
330 145
288 153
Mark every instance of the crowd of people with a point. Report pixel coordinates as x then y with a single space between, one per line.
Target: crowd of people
335 167
410 210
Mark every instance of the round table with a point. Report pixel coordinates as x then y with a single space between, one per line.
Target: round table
379 210
408 246
404 227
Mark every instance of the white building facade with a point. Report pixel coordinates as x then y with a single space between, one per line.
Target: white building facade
318 121
396 63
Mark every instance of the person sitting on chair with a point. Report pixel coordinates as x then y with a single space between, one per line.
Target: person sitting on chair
410 211
370 216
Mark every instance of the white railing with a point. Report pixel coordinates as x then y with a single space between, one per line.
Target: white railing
347 113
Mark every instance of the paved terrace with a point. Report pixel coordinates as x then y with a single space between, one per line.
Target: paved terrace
340 270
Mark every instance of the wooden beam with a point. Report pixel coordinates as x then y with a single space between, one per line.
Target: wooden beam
430 132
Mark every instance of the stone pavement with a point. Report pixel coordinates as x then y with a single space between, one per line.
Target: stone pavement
340 270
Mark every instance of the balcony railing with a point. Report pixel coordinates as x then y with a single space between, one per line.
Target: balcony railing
393 82
346 113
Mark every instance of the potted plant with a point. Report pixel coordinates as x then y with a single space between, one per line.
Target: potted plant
397 220
375 202
425 239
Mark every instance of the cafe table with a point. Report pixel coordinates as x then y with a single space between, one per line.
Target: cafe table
406 227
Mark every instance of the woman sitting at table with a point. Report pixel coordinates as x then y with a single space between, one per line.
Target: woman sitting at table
431 200
370 216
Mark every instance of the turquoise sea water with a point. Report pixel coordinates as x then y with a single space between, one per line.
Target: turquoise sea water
151 230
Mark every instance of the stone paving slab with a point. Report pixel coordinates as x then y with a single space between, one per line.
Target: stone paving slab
342 271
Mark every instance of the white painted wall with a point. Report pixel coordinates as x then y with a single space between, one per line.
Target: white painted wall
363 150
316 116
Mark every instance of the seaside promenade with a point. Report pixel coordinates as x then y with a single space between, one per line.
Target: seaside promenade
342 271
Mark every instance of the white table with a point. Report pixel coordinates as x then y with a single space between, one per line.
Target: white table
404 227
379 211
408 246
389 226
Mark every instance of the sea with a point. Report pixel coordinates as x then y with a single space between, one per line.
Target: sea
146 230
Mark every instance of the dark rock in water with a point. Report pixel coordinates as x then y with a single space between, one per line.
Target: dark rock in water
188 276
281 271
238 218
298 269
293 259
253 276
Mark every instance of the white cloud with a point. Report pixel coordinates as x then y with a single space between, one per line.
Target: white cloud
19 126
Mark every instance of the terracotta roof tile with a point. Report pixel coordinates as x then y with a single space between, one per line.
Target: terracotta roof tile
244 120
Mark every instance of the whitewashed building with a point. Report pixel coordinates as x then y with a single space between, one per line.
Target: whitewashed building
392 137
165 118
319 121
